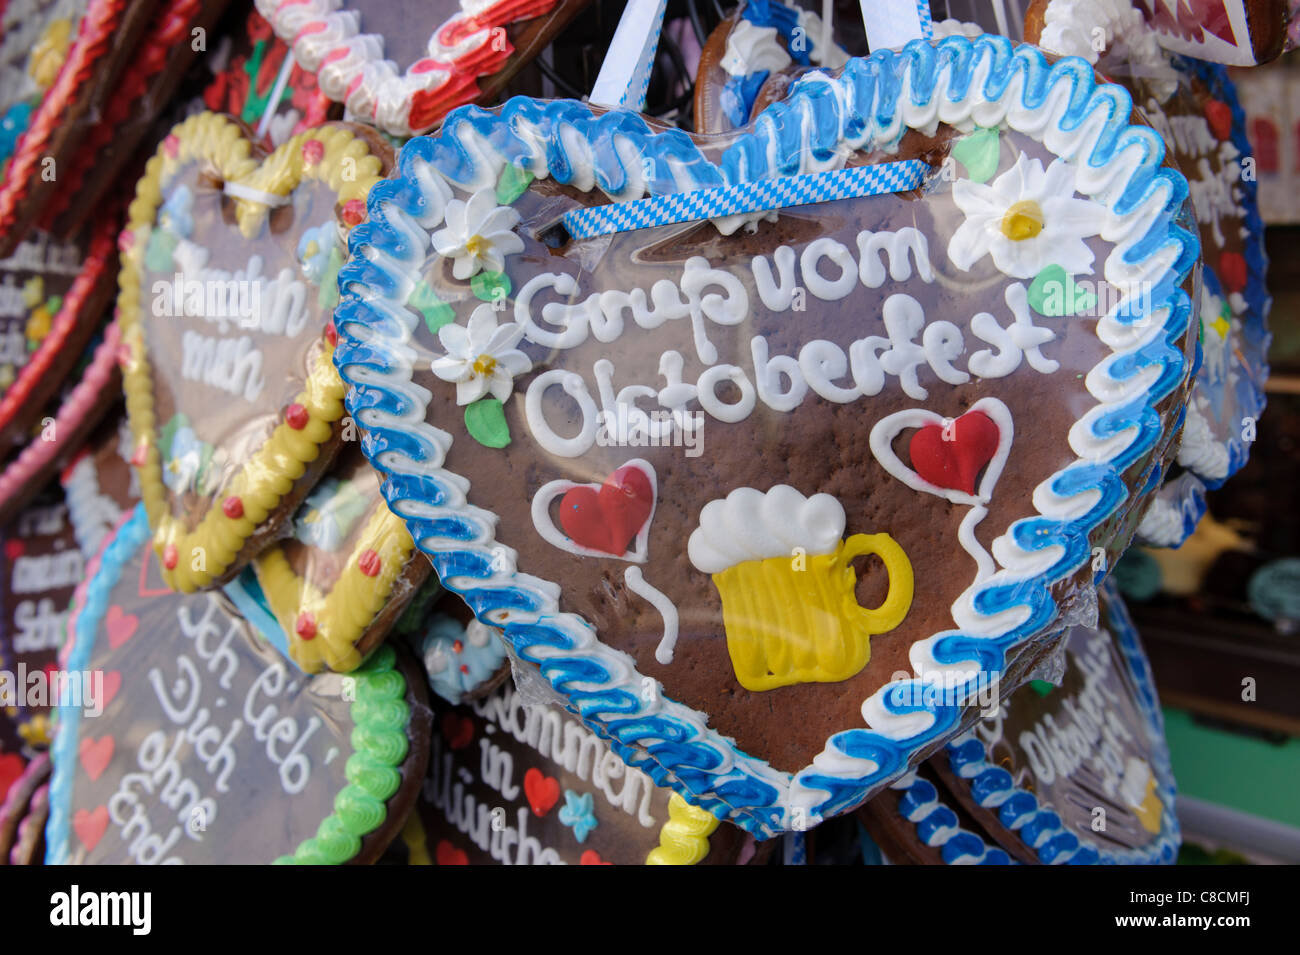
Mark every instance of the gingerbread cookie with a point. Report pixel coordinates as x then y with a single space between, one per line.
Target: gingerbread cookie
93 387
743 494
17 799
1077 773
915 821
253 74
340 581
464 658
403 66
757 44
1194 106
52 296
99 485
41 569
517 784
177 34
227 287
264 764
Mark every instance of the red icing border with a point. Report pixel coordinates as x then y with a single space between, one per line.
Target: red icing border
83 401
94 38
101 251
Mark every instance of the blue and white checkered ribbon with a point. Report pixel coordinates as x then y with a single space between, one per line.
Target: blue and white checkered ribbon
893 23
761 196
624 75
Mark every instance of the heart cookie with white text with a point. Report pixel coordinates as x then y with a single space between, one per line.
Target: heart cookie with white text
1194 106
809 452
403 67
342 578
246 761
227 288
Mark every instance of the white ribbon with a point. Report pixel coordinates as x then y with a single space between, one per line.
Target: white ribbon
237 191
893 23
625 74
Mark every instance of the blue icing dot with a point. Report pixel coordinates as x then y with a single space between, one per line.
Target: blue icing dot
458 658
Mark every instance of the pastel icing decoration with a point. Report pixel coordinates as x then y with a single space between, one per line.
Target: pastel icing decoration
229 387
1194 105
707 528
1105 798
266 764
916 821
1055 294
342 579
516 784
979 153
460 658
404 69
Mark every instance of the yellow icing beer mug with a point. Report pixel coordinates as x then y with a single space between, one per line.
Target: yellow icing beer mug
797 620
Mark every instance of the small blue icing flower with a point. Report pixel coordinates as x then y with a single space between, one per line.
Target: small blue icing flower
12 126
184 460
458 658
329 513
177 213
314 250
578 813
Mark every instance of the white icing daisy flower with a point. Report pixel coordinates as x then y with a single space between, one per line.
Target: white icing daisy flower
479 234
1028 218
481 358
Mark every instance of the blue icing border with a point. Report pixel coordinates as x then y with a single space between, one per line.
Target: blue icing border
937 826
127 541
740 92
1039 826
1061 103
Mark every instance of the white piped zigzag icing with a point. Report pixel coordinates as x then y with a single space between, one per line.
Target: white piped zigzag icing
965 83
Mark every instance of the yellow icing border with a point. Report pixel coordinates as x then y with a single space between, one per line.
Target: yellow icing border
350 607
684 839
349 169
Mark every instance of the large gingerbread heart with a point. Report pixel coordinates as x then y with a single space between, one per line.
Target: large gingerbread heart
227 287
243 759
1194 106
813 607
343 577
403 67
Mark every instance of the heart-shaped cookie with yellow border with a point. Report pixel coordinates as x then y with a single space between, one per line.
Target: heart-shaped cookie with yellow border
226 294
342 577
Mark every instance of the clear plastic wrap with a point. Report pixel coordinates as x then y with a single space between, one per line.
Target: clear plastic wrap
772 498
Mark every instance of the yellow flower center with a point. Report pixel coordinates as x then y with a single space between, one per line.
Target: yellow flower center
1024 220
476 245
484 365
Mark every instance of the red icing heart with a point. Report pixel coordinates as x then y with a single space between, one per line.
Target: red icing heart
542 791
447 854
1219 115
112 683
609 519
592 857
143 589
96 755
1232 271
90 826
11 767
953 457
121 626
458 731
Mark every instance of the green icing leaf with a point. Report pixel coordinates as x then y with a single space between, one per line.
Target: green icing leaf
436 312
486 284
1042 687
485 420
1055 294
514 181
168 432
979 153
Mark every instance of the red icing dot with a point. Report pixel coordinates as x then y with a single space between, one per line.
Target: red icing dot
354 210
369 563
123 356
464 668
313 151
125 239
1219 115
232 507
331 334
170 556
296 416
306 626
172 145
141 449
458 646
1232 271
